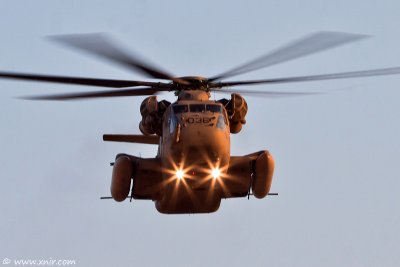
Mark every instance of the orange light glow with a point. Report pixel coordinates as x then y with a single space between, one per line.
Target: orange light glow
215 173
179 174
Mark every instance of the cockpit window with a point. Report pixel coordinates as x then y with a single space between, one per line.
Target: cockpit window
221 122
180 109
214 108
197 108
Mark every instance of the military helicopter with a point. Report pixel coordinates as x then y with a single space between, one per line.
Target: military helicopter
193 169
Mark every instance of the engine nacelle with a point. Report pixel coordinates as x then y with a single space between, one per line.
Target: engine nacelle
121 178
148 110
264 170
237 110
152 113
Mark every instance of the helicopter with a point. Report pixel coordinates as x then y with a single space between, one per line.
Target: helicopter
193 169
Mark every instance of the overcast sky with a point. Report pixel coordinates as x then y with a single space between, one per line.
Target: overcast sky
337 154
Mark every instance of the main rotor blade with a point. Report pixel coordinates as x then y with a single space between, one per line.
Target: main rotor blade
76 80
308 45
99 45
130 138
268 94
332 76
98 94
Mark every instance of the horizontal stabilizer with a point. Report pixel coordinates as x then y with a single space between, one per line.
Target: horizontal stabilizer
129 138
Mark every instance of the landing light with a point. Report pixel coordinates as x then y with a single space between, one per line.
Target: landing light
215 173
179 174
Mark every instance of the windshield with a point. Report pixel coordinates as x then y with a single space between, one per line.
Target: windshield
180 108
214 108
197 108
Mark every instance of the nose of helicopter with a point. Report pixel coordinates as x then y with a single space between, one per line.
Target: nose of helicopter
197 156
204 142
200 140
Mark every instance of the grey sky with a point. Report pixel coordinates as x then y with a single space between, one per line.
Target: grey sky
337 169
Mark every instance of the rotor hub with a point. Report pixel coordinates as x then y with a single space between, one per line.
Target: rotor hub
191 83
198 95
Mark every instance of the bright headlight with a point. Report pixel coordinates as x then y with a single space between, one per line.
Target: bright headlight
179 174
215 173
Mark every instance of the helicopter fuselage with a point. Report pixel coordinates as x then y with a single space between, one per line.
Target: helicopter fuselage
194 152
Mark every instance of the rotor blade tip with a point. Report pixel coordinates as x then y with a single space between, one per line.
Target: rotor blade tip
26 98
72 38
361 35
